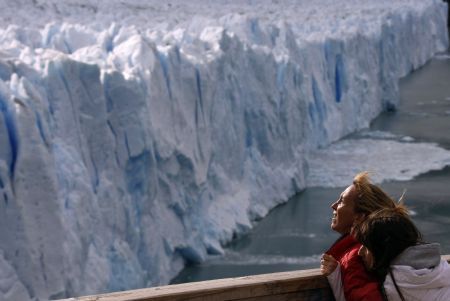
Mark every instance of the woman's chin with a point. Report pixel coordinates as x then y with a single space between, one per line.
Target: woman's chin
333 226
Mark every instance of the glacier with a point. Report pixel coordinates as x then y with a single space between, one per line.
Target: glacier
137 136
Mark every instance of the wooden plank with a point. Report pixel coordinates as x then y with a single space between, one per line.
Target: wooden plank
318 294
238 291
293 285
223 289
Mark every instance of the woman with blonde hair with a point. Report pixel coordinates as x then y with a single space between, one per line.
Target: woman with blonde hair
393 249
341 263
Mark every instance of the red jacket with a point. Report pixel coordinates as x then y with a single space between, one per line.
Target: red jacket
357 282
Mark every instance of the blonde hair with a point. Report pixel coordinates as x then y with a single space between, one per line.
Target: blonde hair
371 198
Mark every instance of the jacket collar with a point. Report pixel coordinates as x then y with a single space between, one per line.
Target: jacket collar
342 246
420 256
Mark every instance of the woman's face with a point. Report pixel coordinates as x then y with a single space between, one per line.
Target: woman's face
366 256
344 214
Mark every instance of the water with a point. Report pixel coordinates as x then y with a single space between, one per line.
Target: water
424 111
294 235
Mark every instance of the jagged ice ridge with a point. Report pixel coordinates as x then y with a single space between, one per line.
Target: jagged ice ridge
137 136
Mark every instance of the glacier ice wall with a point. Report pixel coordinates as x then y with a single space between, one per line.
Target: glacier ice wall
130 148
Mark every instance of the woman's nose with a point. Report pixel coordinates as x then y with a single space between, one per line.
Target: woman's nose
334 205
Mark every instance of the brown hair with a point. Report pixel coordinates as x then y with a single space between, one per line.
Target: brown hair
387 233
370 197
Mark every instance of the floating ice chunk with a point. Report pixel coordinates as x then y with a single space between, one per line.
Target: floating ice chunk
240 259
337 164
382 135
443 56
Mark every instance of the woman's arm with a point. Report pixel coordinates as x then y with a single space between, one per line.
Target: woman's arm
334 279
357 282
330 267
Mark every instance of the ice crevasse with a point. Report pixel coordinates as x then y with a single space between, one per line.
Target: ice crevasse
129 148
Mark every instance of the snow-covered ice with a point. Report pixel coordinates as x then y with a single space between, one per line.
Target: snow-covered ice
140 135
239 259
385 159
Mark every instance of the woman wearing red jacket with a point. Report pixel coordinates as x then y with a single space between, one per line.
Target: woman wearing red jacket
355 203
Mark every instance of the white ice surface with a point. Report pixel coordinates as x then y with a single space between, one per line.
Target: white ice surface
239 259
336 165
138 135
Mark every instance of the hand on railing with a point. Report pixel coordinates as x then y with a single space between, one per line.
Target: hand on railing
327 264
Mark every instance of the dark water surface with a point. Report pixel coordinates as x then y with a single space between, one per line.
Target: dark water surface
295 234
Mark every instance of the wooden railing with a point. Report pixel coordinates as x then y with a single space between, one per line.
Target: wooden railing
295 285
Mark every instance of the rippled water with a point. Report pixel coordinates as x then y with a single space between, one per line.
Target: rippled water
295 234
